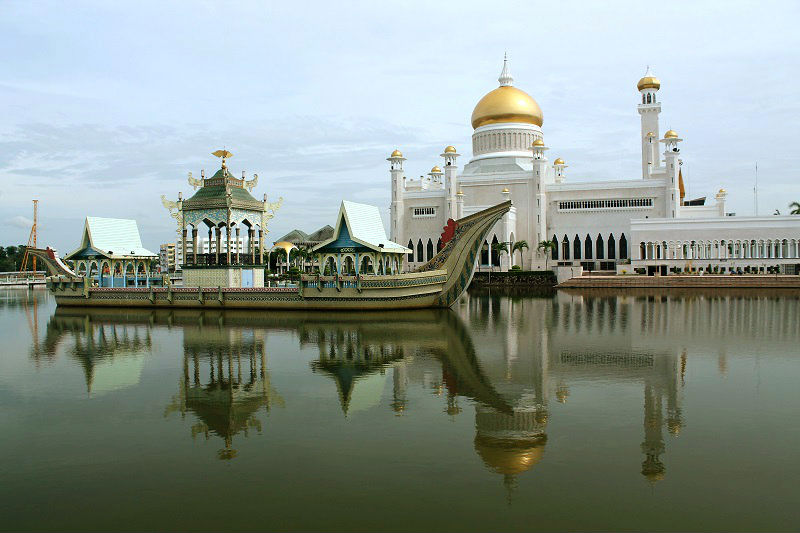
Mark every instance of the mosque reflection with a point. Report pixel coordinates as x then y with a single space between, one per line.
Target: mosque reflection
503 360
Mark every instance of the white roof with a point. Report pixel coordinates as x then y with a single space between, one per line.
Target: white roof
117 237
366 227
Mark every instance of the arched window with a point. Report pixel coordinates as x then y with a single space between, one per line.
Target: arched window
485 253
587 247
576 247
599 248
643 99
642 251
648 98
411 254
430 250
495 253
555 248
439 246
420 257
612 247
565 248
623 247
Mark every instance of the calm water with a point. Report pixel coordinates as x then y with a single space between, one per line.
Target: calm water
584 410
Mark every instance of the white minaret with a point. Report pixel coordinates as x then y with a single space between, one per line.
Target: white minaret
397 209
459 205
451 181
649 107
673 193
538 216
558 169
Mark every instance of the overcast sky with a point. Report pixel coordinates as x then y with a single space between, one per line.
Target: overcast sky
107 105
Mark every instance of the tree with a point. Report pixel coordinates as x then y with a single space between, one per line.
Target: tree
519 246
500 248
546 247
795 208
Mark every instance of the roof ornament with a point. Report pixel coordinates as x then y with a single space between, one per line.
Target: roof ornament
195 183
223 154
505 79
250 185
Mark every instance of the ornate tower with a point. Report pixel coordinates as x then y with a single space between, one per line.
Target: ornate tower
649 108
558 169
540 177
451 185
397 210
673 193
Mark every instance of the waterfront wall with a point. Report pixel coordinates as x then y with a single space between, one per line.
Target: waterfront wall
520 278
678 281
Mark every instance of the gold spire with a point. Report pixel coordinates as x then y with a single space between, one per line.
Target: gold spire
680 185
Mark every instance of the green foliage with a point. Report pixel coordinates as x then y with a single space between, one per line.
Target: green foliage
516 268
11 258
794 208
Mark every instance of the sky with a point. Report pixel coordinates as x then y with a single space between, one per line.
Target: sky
106 106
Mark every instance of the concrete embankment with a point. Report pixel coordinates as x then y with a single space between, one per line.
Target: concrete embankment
677 281
519 278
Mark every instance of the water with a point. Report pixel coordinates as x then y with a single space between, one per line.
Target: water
576 410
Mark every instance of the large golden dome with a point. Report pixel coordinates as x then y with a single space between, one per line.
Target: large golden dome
506 104
509 457
648 81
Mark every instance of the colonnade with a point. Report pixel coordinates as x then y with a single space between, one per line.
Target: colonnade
356 263
232 248
125 270
721 249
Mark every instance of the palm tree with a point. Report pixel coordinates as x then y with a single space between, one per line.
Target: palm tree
546 247
795 208
519 246
501 248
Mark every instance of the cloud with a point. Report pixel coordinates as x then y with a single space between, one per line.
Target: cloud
20 222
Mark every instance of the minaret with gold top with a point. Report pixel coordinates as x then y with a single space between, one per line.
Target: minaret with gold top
649 109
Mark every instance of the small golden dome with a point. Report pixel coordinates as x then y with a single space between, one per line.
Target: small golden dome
650 134
506 104
450 150
722 191
559 161
460 193
671 134
538 142
506 190
397 153
648 81
436 170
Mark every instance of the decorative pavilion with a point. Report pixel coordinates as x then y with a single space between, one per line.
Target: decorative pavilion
359 244
111 252
222 229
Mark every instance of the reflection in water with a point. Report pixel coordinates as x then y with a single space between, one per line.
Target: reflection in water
505 357
225 380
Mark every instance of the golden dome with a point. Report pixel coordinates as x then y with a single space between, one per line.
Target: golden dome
509 457
648 81
460 193
559 161
506 104
436 170
450 150
538 142
651 134
506 190
722 191
397 153
671 134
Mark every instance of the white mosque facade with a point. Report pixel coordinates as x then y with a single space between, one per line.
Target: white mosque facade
598 225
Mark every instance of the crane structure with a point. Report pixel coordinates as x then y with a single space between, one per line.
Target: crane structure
31 240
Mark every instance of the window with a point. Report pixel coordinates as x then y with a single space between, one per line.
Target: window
623 247
411 255
576 247
430 250
422 212
612 247
419 251
587 245
622 203
555 248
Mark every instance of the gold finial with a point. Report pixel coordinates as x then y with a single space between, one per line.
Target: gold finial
224 154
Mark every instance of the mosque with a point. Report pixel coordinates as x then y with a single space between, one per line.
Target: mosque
598 225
